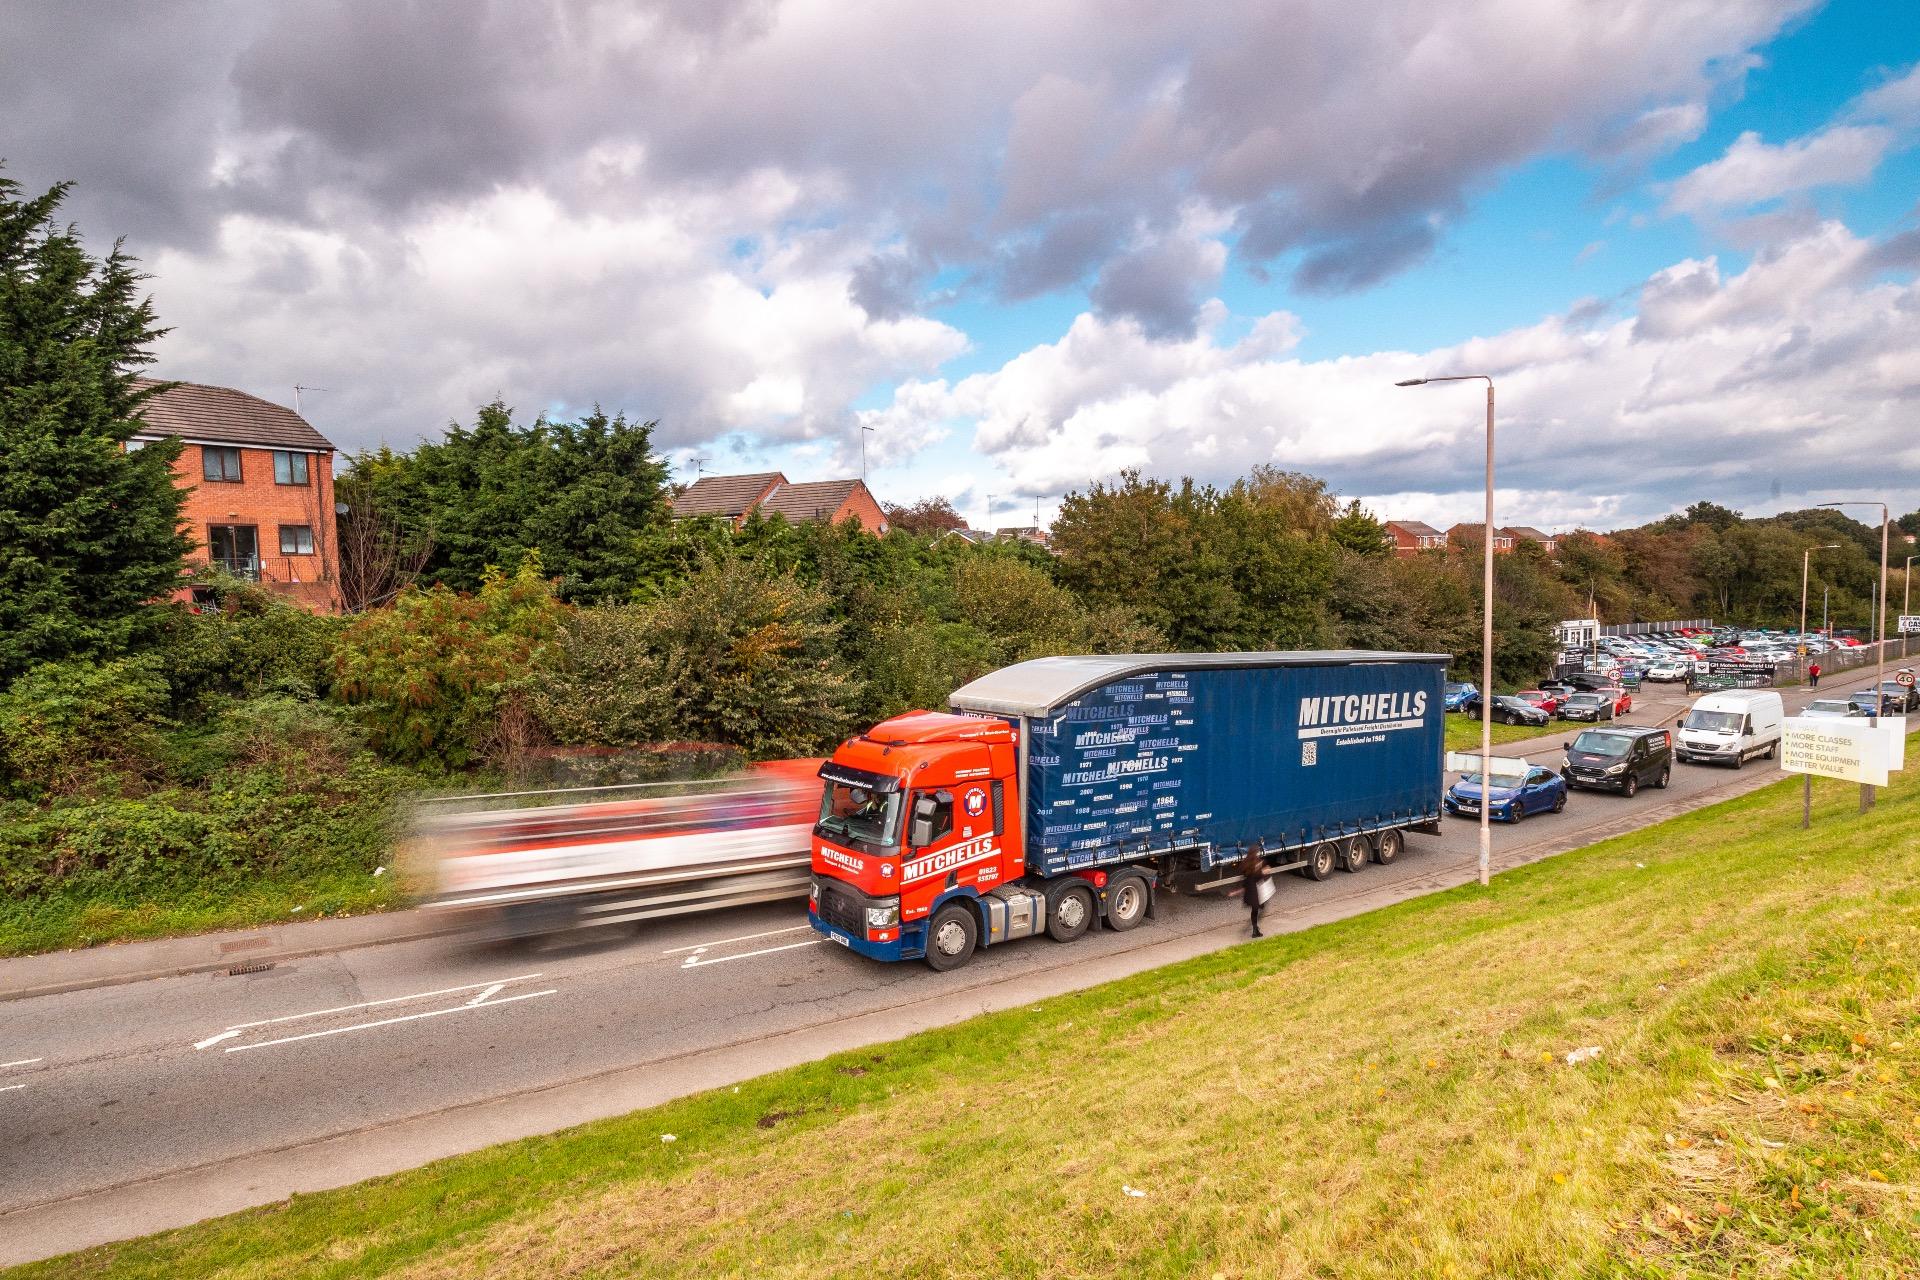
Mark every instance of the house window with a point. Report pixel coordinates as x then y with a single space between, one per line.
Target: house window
296 539
220 463
289 468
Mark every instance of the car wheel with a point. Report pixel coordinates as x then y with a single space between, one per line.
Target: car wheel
1320 860
1070 913
1560 802
1127 906
1773 750
1515 812
1739 759
1631 785
1353 854
951 937
1388 847
1666 776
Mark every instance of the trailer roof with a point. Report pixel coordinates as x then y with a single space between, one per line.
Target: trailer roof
1041 686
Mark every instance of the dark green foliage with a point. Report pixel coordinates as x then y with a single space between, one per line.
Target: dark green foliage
80 725
1355 530
254 642
579 494
89 533
433 676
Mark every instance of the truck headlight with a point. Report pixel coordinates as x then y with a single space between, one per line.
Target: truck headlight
883 917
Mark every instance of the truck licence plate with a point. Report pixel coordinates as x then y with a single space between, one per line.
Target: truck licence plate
842 939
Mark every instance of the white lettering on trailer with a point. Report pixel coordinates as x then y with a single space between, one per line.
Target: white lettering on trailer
1357 713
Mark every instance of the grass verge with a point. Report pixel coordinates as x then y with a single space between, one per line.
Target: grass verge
59 922
1464 734
1390 1095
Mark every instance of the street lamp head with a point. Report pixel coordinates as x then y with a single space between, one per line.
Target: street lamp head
1411 382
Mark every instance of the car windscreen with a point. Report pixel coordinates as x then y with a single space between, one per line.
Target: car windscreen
1586 700
1600 743
859 814
1713 721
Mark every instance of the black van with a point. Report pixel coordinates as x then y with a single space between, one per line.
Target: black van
1619 757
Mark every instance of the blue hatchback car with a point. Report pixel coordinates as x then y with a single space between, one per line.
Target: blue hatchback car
1453 694
1512 799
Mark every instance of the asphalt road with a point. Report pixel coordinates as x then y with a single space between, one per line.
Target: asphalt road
108 1095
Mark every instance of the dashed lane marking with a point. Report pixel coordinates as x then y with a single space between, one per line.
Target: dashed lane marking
387 1022
745 937
698 962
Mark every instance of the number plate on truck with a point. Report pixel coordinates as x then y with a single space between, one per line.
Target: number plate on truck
841 938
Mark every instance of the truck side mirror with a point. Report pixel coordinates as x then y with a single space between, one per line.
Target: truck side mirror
922 833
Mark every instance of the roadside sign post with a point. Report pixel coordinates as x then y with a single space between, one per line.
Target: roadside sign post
1850 750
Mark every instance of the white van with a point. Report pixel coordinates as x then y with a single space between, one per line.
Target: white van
1731 728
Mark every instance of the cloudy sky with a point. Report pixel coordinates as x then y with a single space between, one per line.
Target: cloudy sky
1029 244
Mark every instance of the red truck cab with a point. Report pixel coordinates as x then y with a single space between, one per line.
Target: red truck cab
915 812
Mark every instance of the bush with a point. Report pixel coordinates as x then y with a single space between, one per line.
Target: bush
67 727
431 675
250 826
254 642
605 688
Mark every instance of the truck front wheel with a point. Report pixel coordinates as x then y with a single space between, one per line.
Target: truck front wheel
951 937
1127 906
1070 913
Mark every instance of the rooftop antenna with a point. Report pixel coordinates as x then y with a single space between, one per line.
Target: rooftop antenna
699 461
297 389
865 431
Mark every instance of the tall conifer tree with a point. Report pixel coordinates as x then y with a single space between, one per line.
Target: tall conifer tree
89 532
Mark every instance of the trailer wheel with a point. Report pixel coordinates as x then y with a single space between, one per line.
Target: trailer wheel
1070 913
1320 861
1127 904
1391 842
952 935
1353 855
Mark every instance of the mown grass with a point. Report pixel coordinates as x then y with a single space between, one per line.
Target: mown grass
58 921
1463 734
1389 1095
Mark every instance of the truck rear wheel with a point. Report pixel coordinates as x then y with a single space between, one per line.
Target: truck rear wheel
1069 914
1388 848
951 937
1127 905
1353 854
1320 860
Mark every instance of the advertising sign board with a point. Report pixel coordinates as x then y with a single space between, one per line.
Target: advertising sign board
1851 750
1910 624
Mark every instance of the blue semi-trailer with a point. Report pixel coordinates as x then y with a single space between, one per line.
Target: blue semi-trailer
1065 791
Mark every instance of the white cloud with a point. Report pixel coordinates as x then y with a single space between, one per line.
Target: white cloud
1897 101
1753 172
1790 373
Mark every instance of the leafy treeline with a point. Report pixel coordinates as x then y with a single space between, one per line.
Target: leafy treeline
520 597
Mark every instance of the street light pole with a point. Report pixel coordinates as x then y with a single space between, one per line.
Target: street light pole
1486 631
1806 557
1880 618
1906 598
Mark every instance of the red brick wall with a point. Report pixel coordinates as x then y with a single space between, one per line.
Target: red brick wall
861 506
310 580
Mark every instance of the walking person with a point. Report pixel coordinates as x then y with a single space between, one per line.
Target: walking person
1256 883
1813 675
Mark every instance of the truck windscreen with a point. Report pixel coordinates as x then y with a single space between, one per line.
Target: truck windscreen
855 813
1713 721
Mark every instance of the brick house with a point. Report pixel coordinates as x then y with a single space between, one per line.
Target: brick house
770 493
259 484
1411 537
1549 543
1468 535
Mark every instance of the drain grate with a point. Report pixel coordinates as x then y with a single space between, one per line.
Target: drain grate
250 966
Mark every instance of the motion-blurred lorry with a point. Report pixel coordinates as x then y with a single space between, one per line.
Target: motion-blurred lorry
531 863
1065 791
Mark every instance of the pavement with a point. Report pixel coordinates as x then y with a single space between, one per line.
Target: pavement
152 1085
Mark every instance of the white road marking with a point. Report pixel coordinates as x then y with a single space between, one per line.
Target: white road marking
745 937
387 1022
18 1062
9 1088
371 1004
482 997
695 962
216 1039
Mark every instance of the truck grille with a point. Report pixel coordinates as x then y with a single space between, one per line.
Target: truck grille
843 909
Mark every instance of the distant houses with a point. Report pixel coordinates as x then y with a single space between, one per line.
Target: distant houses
734 498
1411 537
